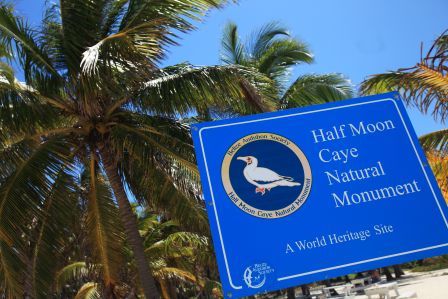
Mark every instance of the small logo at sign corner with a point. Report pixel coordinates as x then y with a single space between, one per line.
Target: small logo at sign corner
266 175
255 276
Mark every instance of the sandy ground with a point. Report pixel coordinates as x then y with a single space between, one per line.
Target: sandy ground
428 285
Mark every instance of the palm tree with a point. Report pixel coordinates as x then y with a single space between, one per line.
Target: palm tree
273 52
424 85
172 254
176 256
94 111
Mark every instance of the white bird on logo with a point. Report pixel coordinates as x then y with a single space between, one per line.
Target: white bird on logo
255 174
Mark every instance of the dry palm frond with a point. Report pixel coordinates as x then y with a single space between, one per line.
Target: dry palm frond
439 165
424 85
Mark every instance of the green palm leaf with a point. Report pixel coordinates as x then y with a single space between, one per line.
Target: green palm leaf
33 171
182 249
89 290
173 177
105 231
233 51
12 270
145 30
16 31
263 39
24 112
276 62
317 89
176 197
75 271
52 232
184 88
141 143
435 141
270 50
71 37
382 83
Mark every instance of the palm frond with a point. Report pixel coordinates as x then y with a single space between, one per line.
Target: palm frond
176 14
12 268
183 89
16 32
174 273
89 290
33 171
6 73
423 85
317 89
24 112
168 189
52 231
148 145
113 16
178 244
30 171
147 27
263 38
161 170
232 49
432 78
76 39
171 200
435 141
277 60
170 132
104 228
382 83
130 49
76 271
270 50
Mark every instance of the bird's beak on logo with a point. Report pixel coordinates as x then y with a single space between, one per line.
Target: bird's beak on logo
248 160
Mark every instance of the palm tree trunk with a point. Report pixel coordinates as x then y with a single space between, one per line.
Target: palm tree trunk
130 225
291 293
164 288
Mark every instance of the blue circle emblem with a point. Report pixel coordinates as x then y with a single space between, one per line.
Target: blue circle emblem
266 175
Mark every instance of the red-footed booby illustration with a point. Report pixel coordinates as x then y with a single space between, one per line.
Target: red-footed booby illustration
264 178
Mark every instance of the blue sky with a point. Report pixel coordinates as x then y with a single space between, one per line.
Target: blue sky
353 37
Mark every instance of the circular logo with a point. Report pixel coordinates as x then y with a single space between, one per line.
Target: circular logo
255 276
253 281
266 175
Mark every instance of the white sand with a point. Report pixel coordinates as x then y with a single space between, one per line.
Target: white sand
428 285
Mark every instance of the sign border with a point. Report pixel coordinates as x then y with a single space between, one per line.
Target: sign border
392 97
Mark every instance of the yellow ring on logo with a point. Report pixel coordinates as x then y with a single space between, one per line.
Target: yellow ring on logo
268 214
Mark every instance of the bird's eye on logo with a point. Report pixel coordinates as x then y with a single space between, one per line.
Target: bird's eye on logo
275 179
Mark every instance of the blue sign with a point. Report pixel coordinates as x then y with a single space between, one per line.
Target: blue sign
307 194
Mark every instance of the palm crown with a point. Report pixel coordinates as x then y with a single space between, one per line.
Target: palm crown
424 84
273 52
97 114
